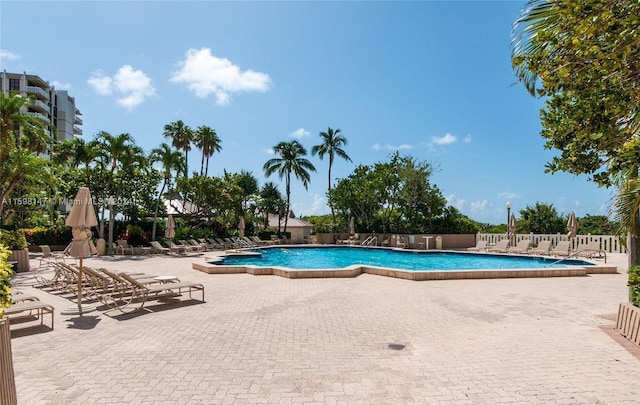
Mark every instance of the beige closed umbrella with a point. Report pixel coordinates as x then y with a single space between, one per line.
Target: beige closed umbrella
572 225
81 219
170 231
352 227
512 226
241 226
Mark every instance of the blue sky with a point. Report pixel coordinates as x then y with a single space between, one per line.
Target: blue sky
430 79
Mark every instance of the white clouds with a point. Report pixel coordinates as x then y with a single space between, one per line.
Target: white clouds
61 86
377 146
300 133
8 55
206 75
131 87
447 139
508 195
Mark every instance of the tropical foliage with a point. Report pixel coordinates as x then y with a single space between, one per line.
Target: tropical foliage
581 56
5 285
291 161
393 196
332 143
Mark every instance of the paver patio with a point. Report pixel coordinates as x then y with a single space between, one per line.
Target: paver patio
363 340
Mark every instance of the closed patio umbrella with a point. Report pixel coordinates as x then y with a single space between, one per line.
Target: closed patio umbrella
241 226
572 225
352 226
81 218
512 226
170 232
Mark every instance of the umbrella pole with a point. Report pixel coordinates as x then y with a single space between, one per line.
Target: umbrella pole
79 309
80 286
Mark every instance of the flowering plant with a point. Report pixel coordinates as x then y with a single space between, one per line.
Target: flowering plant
5 286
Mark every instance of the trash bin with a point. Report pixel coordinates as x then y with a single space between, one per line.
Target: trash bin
438 242
101 247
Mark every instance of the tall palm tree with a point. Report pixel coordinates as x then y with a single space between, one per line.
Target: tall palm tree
332 142
181 136
291 160
171 161
112 150
207 140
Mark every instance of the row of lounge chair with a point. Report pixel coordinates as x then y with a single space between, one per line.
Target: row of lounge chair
563 248
122 291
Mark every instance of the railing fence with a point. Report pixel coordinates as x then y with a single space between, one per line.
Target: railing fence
608 243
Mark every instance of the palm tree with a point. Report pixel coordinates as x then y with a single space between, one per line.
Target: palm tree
171 161
22 137
332 142
535 18
270 202
181 136
75 152
207 140
112 150
291 160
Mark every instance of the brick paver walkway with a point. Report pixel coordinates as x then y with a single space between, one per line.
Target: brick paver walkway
366 340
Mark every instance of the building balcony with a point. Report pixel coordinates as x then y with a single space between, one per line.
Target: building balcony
77 130
38 92
77 121
39 106
38 115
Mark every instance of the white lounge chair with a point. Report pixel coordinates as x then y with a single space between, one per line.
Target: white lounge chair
521 247
543 248
481 245
563 248
500 247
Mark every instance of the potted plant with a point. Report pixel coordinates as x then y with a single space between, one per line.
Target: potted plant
17 244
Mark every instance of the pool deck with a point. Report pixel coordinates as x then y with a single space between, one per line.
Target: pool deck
359 340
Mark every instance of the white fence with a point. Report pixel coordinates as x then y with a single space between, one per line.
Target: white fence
608 243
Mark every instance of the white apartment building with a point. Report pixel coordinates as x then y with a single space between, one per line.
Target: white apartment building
55 107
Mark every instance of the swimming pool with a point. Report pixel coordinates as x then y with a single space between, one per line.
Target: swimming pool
409 260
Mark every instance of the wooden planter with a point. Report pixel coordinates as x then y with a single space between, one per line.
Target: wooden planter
22 257
8 394
628 323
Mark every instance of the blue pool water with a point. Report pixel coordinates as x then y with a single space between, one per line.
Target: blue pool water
339 257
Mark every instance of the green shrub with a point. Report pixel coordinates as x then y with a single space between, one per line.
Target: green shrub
634 285
5 285
48 236
135 235
12 240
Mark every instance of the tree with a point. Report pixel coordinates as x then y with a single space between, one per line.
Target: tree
207 140
541 218
291 160
270 202
75 152
181 136
170 161
332 142
582 57
112 151
391 196
22 138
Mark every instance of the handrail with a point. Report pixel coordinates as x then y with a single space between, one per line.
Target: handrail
370 240
574 254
